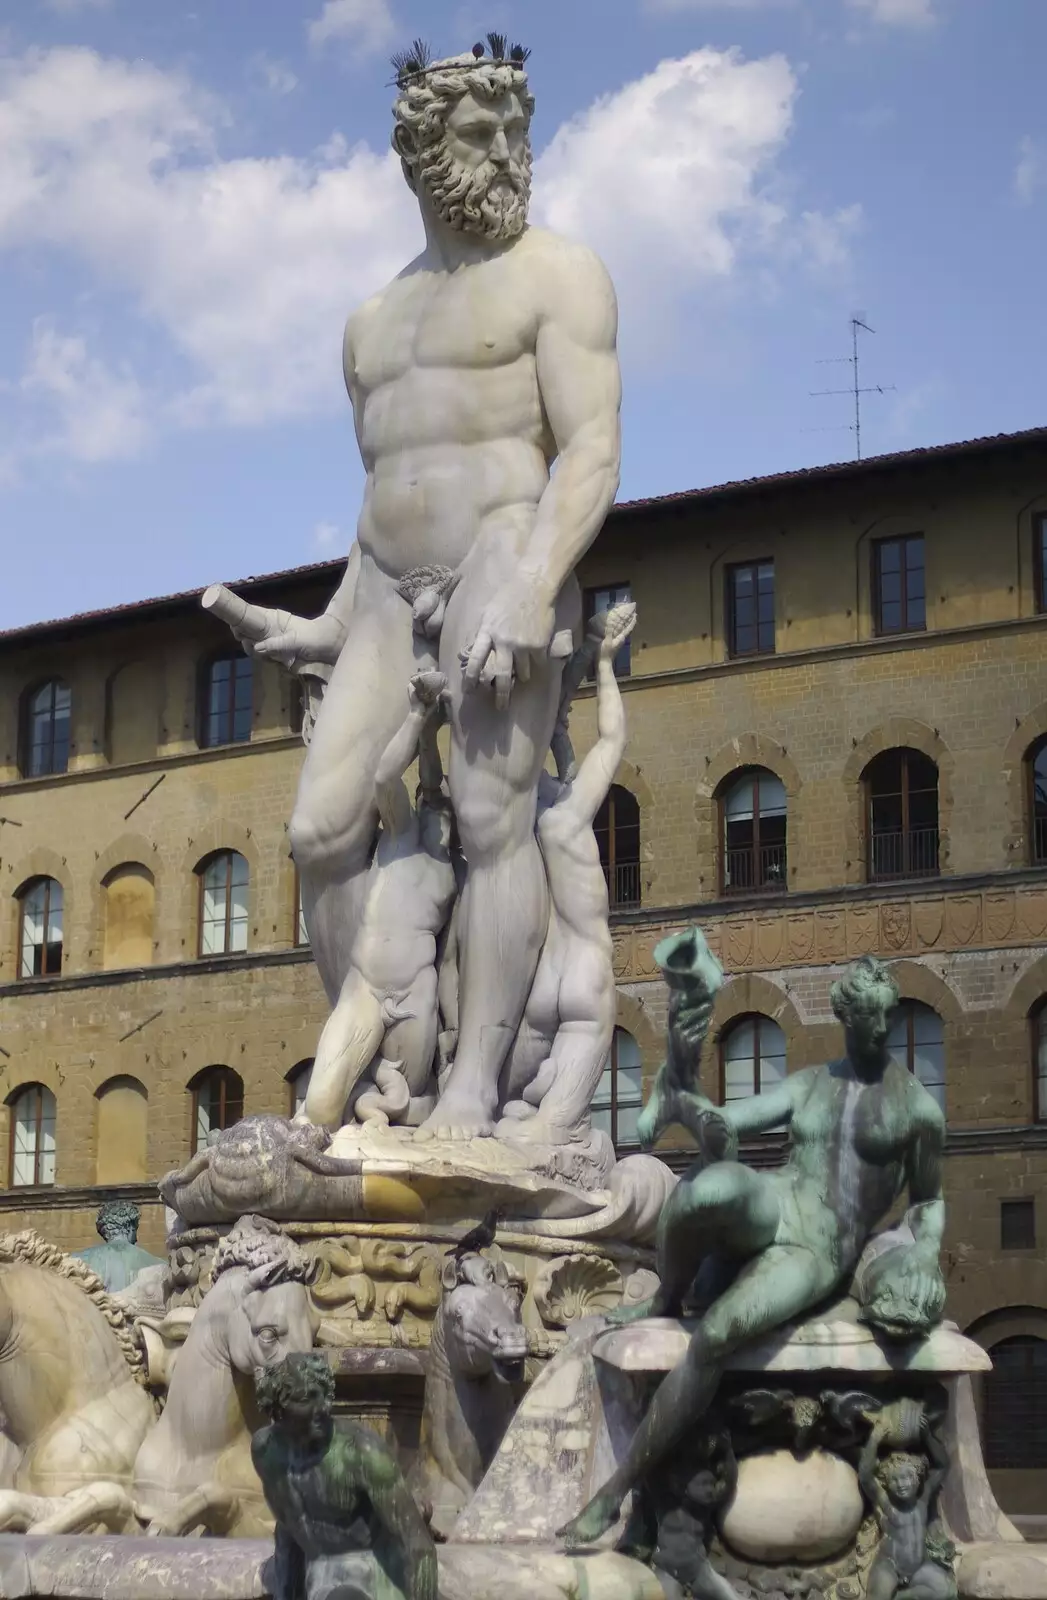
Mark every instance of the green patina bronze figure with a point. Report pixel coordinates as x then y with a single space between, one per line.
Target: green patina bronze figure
773 1245
915 1557
120 1259
347 1527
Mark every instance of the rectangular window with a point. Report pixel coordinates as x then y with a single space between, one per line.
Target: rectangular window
750 609
898 586
596 600
1017 1225
1039 535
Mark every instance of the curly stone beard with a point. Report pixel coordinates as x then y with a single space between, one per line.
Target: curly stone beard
490 201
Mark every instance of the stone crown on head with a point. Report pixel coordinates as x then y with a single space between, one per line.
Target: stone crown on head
417 60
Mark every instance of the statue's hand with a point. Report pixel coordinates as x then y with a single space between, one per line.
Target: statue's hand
294 641
519 621
619 623
426 690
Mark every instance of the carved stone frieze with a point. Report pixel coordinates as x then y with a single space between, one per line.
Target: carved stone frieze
785 935
379 1287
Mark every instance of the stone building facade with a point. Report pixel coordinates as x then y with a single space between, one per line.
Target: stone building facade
837 705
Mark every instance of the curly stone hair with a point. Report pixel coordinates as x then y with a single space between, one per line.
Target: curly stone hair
295 1380
902 1458
116 1218
258 1244
866 983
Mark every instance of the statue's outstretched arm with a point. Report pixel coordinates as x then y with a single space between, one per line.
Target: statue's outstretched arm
596 772
390 791
871 1486
938 1457
395 1508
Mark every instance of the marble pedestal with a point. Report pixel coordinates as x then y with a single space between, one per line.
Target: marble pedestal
798 1522
77 1568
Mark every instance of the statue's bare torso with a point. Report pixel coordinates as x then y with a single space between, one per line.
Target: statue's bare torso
441 368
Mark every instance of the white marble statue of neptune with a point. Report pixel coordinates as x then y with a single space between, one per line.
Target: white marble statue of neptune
487 359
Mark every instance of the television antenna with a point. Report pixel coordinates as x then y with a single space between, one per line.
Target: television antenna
855 391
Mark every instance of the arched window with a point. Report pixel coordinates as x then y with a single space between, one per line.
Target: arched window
618 1100
917 1041
617 830
1036 782
33 1113
753 821
1038 1029
45 729
752 1057
901 803
40 929
129 903
223 904
226 700
298 1085
218 1102
132 713
1014 1408
120 1150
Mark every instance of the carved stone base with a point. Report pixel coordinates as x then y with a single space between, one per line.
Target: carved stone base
377 1288
293 1173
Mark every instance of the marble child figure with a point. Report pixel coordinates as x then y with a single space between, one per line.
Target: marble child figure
565 1036
861 1130
346 1523
386 1011
488 358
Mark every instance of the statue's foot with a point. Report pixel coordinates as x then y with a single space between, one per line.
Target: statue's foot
622 1315
456 1118
533 1130
590 1523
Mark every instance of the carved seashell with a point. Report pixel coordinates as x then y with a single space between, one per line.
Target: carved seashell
571 1287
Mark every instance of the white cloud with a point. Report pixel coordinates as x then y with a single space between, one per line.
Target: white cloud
671 180
275 76
367 26
897 13
249 266
239 273
95 412
1030 171
325 537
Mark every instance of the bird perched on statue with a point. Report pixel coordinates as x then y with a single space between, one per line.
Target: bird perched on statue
480 1237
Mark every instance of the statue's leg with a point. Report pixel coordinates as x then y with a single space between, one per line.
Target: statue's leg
351 1035
100 1504
882 1582
568 1080
727 1209
411 1039
212 1507
496 758
929 1582
333 826
708 1584
773 1288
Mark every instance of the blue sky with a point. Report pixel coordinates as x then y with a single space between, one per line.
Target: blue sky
193 197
